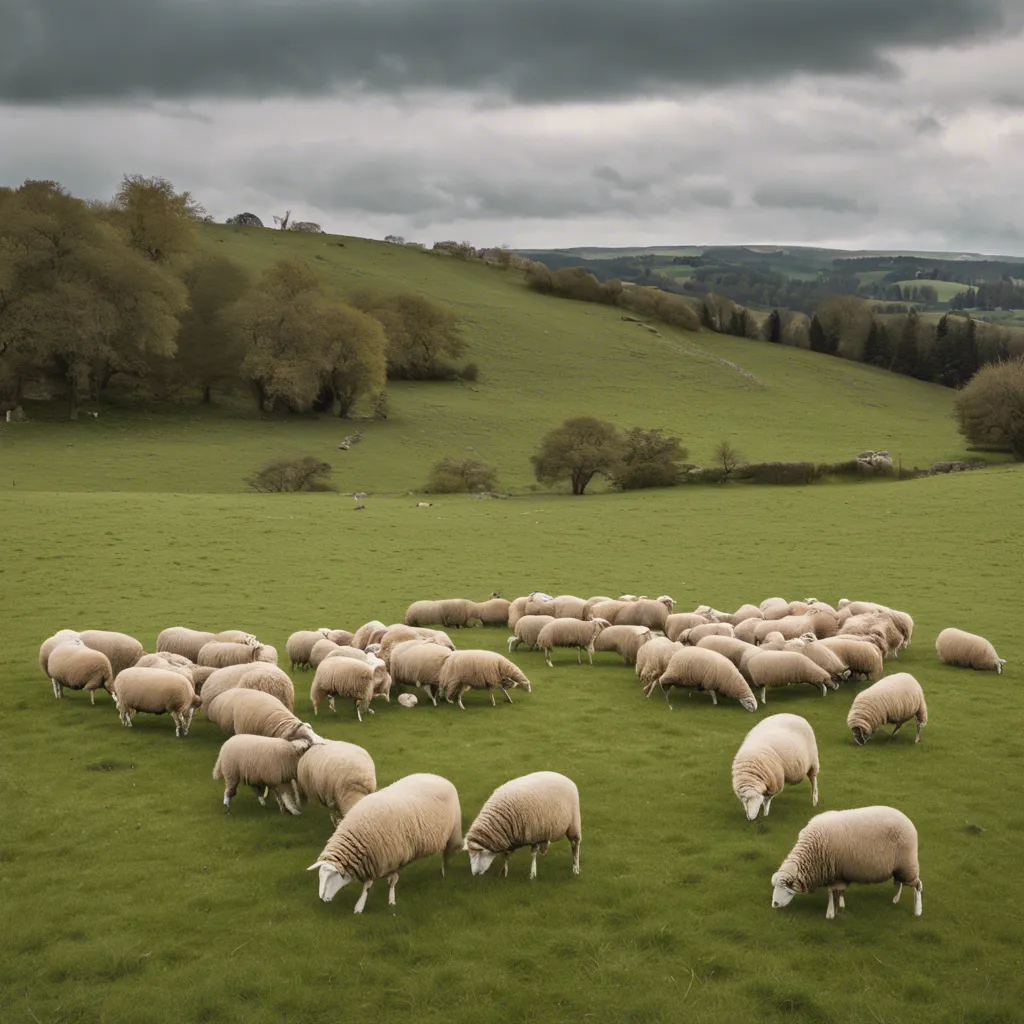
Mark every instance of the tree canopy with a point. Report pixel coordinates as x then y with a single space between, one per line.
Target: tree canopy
577 451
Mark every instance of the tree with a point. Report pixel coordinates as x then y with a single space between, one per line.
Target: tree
461 476
906 358
816 335
877 347
991 407
728 458
578 450
772 329
160 222
650 458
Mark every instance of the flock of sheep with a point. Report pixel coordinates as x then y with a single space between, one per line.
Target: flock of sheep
236 681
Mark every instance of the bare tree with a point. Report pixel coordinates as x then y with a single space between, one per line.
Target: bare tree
728 458
282 222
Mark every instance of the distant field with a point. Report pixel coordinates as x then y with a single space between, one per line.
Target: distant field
944 289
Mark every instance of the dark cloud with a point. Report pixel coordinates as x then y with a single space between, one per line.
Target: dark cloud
792 196
528 50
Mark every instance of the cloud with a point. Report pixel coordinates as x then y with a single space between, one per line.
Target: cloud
789 195
528 50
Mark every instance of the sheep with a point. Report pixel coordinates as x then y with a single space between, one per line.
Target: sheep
156 691
418 663
821 624
564 606
73 665
824 657
774 608
516 610
320 650
47 646
347 652
235 636
779 749
200 673
220 654
184 641
346 677
880 627
423 613
786 668
265 763
492 612
338 774
652 659
588 606
268 678
732 648
863 845
168 661
744 612
121 650
532 810
479 670
365 634
860 656
706 670
299 645
692 637
677 623
571 633
527 631
645 612
455 611
896 699
412 818
252 711
398 634
624 640
968 650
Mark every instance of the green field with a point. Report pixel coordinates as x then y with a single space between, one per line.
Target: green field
945 290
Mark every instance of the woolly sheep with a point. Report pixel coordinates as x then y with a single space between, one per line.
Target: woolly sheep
348 652
255 676
527 631
968 650
252 711
880 627
645 612
774 607
608 610
824 657
702 669
479 670
861 657
265 763
408 700
220 654
533 810
692 637
456 612
744 612
771 669
516 610
338 774
418 663
492 612
47 646
678 622
299 645
863 845
624 640
779 749
423 613
171 662
321 649
73 665
821 624
155 691
895 699
652 659
588 605
746 630
732 648
571 633
412 818
398 634
345 677
235 636
184 641
121 650
564 606
365 634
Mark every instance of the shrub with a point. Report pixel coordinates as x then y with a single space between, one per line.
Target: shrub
470 372
793 473
460 476
991 407
649 458
302 473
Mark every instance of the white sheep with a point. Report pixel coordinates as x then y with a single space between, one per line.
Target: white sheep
171 662
704 670
253 676
533 810
646 612
418 663
479 670
516 610
677 623
744 612
252 711
652 659
338 774
693 636
864 845
360 681
527 630
881 628
74 666
968 650
412 818
155 691
367 634
121 650
492 612
221 653
729 646
184 641
236 636
779 749
862 658
571 633
265 763
624 640
896 699
771 669
299 645
398 634
47 646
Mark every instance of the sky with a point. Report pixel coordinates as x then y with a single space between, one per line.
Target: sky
539 123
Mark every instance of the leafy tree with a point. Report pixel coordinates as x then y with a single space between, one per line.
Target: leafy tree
650 458
160 222
728 458
772 329
578 450
302 473
991 407
816 335
461 476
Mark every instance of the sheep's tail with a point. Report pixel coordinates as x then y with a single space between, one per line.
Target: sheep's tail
217 773
197 701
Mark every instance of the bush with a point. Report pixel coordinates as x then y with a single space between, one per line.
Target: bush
303 473
991 407
649 459
470 372
794 473
461 476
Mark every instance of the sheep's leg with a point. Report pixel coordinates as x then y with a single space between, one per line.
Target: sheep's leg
261 794
824 690
892 735
176 719
899 890
432 694
92 697
504 866
763 689
767 805
714 698
831 912
813 776
392 882
188 719
361 902
491 692
533 861
918 903
508 696
128 717
590 654
330 703
842 899
359 713
230 789
579 655
58 690
920 726
286 801
462 690
575 845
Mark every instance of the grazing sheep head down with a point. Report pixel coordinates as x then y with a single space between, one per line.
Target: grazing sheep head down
331 879
752 802
860 735
304 731
784 889
479 858
750 703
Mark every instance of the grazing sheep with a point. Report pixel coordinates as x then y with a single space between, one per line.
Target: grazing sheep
588 606
608 610
155 691
423 613
624 640
398 634
571 633
200 673
73 665
338 774
732 648
692 637
864 845
235 636
564 606
171 662
299 646
345 677
968 650
366 634
677 623
772 669
220 654
779 749
268 678
348 652
320 650
516 610
455 612
821 624
645 612
774 608
418 663
252 711
184 641
527 631
652 659
492 612
744 612
533 810
121 650
60 637
265 763
895 699
879 627
824 657
860 656
479 670
701 669
412 818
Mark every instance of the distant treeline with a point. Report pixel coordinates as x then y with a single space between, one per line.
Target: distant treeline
903 268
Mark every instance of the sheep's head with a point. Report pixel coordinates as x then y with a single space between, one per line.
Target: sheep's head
667 602
251 640
843 602
304 731
702 609
479 858
784 888
808 638
752 802
300 746
861 734
324 632
750 703
331 879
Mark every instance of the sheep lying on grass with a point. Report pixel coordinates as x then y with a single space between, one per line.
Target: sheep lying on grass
345 677
338 774
418 663
864 845
701 669
412 818
479 670
571 633
779 749
73 666
265 764
968 650
155 691
623 640
895 699
533 810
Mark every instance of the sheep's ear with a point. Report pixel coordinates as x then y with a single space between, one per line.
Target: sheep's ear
319 864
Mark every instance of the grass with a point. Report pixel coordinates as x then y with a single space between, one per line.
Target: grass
945 290
129 895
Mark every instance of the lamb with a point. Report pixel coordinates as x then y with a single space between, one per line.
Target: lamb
268 678
184 641
479 670
220 654
532 810
732 648
968 650
121 650
527 631
571 633
863 845
861 657
692 637
155 691
299 645
345 677
338 774
492 612
367 634
73 665
412 818
786 668
895 699
46 649
252 711
645 612
779 749
624 640
706 670
678 622
418 663
265 763
652 659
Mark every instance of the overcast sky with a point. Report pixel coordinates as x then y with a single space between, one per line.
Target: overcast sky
853 123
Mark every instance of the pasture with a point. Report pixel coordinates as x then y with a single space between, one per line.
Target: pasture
129 895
